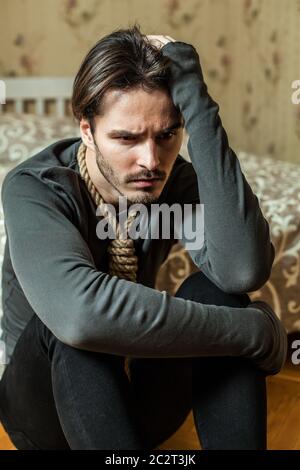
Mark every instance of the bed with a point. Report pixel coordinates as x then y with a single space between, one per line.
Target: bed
276 184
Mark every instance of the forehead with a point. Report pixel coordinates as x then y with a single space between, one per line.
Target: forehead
138 103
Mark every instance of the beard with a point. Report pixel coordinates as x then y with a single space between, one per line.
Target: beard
141 196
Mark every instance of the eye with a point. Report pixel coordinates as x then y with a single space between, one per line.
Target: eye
167 135
126 138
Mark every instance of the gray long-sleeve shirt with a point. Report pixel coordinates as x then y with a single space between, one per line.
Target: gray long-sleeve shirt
56 266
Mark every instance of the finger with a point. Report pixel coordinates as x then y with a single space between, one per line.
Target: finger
171 39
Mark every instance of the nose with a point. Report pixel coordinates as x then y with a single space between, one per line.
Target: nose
148 156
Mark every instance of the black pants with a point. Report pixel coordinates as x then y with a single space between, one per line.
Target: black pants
53 396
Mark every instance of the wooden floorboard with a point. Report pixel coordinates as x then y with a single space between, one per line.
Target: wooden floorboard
5 443
283 417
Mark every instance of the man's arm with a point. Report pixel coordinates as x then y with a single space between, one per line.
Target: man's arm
90 309
237 254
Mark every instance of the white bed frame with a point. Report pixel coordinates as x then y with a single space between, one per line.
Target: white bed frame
39 90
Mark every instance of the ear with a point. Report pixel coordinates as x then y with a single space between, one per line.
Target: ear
86 134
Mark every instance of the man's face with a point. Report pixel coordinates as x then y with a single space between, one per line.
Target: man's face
137 138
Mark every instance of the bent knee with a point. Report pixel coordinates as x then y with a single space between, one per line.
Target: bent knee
199 288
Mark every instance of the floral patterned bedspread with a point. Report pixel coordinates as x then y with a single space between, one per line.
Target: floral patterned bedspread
276 184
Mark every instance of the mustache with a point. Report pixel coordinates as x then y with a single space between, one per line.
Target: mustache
149 176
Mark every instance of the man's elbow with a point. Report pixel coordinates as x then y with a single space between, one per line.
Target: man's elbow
71 333
247 280
81 335
261 271
69 337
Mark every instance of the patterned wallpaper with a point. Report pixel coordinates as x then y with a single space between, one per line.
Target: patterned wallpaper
249 51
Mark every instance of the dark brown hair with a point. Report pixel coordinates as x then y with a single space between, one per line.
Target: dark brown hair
123 59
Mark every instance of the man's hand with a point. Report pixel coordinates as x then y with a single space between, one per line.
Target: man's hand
160 41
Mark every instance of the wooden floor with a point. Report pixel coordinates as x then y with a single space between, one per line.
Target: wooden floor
283 417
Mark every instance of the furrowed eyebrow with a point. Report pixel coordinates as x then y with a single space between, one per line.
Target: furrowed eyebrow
124 133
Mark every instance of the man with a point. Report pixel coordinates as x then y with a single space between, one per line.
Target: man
70 321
